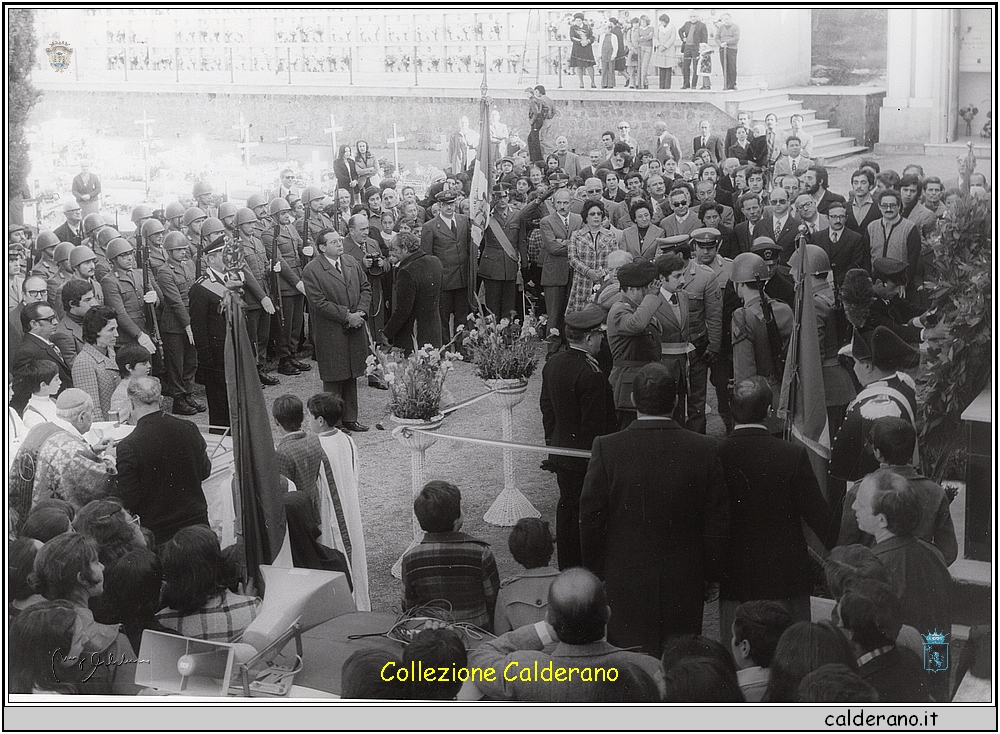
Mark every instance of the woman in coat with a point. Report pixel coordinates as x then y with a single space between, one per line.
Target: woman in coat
665 50
94 369
346 172
646 43
581 57
366 165
588 253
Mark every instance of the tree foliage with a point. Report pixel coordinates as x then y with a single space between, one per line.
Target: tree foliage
959 355
21 93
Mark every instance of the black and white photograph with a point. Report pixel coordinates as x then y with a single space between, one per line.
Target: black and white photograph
439 357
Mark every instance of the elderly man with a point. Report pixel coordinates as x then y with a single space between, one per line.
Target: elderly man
161 465
569 162
415 317
33 290
448 237
38 323
557 230
340 298
667 144
87 190
70 230
576 623
654 514
68 467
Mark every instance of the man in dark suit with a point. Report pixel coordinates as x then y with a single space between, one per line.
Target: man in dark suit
692 35
501 255
577 406
448 237
416 313
750 205
711 143
70 230
780 225
772 489
557 229
816 179
38 323
339 297
743 119
845 247
208 327
161 465
591 171
653 518
87 190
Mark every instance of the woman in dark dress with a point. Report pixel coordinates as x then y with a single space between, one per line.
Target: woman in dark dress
346 172
581 57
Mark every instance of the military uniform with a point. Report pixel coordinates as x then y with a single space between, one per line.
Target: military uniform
292 301
721 371
752 349
256 289
311 225
705 325
838 384
180 356
55 285
44 269
208 324
123 292
634 339
675 344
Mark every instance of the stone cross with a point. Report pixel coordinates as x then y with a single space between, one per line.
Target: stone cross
144 144
244 144
395 140
287 139
443 147
333 130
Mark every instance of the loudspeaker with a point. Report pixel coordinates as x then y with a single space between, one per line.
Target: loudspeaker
304 594
184 665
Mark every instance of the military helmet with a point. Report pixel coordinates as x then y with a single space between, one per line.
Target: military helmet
106 235
193 215
255 200
81 254
141 212
201 187
63 249
92 222
817 261
119 246
245 215
210 226
173 210
279 204
151 227
45 240
227 209
747 267
311 193
175 240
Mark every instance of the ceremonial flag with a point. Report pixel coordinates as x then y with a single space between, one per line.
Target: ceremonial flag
803 400
257 492
480 192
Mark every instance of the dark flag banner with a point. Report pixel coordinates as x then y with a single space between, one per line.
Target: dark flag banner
257 492
480 193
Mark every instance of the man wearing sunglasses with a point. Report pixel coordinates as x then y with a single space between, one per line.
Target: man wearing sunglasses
779 224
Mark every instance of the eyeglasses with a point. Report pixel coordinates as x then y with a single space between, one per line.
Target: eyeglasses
779 201
889 206
38 294
623 127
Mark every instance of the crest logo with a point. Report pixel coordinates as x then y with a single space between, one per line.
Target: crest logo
59 53
935 651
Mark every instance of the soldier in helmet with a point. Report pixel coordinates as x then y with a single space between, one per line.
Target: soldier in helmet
191 226
258 204
314 220
705 324
174 214
257 303
206 198
286 330
45 249
63 274
227 213
140 215
83 263
151 236
837 383
93 225
180 357
123 292
755 350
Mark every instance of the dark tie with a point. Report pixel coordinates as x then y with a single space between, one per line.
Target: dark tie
336 264
793 165
834 236
673 299
451 226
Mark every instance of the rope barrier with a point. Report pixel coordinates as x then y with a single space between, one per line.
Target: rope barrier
558 450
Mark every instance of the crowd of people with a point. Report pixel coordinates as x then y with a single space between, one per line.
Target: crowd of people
660 268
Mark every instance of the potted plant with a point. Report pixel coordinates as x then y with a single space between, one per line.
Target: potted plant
415 381
503 352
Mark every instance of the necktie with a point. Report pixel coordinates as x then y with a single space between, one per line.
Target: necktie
834 236
793 165
770 144
566 223
336 264
451 226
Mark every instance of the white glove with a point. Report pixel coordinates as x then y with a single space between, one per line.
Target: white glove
150 297
276 267
190 334
268 306
300 287
146 343
308 250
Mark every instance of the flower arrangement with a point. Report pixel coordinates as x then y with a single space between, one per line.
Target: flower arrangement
968 113
415 381
504 349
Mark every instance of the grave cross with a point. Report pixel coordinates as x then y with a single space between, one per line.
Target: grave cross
443 147
333 130
287 139
144 145
145 122
395 140
244 144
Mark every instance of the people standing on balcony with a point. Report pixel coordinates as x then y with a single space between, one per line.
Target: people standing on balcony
581 57
692 35
664 51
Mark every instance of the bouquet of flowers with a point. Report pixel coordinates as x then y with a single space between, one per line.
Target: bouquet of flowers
415 381
504 349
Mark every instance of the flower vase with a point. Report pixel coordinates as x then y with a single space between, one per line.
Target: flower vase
417 442
510 505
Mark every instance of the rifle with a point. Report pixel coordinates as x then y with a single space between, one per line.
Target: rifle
305 229
773 335
276 277
142 247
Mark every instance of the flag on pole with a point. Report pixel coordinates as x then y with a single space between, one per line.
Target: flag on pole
480 192
257 492
803 400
